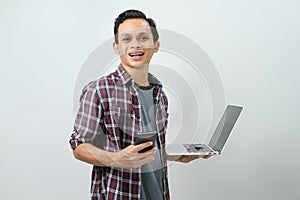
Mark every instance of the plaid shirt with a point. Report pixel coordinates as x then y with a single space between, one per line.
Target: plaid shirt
109 117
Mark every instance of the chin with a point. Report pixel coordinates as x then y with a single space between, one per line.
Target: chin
137 64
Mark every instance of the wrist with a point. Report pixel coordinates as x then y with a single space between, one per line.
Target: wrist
173 158
110 159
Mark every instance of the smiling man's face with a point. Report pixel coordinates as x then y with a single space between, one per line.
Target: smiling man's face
135 43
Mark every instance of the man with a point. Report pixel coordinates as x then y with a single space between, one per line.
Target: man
116 109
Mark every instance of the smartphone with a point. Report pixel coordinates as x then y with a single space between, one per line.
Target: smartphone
145 137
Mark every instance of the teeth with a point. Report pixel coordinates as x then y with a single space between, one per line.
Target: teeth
138 54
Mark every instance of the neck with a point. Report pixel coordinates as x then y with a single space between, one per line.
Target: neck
139 74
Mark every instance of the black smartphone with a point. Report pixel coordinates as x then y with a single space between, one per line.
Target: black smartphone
145 137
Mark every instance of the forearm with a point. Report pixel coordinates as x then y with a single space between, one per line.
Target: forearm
91 154
127 158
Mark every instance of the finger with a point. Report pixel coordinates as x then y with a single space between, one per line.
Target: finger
207 157
148 153
183 159
129 148
195 157
142 146
192 157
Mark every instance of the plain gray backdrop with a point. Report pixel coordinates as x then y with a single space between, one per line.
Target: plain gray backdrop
254 45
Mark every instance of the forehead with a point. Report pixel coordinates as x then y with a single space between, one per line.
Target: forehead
133 25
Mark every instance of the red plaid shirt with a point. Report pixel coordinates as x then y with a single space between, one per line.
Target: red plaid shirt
110 117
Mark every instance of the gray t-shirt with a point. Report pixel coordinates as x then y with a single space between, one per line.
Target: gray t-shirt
152 173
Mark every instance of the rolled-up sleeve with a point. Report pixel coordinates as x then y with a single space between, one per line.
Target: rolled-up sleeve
87 123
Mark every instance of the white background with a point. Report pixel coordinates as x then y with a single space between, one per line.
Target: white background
254 45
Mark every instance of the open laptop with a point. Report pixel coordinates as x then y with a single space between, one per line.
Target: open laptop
217 140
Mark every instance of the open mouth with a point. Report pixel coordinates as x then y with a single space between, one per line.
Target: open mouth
136 54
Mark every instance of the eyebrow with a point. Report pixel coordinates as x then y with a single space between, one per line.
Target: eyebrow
125 34
130 34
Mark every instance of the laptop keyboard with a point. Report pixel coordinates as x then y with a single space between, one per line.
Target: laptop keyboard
194 148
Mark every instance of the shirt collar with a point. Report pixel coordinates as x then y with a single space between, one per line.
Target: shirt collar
128 80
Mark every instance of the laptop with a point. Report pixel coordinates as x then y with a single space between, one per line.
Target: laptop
217 141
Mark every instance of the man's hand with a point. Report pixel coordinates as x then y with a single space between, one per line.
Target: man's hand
130 158
186 159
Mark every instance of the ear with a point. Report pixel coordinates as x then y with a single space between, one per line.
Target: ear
156 46
116 47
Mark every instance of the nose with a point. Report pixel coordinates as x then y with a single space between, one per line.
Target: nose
135 44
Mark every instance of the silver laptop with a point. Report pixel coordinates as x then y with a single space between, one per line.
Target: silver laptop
217 140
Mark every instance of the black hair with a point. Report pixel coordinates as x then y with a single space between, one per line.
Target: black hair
134 14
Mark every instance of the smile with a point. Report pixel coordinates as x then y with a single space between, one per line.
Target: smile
136 54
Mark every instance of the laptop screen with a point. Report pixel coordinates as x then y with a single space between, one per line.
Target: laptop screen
224 127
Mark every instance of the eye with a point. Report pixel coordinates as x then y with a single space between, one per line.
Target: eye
125 39
144 38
